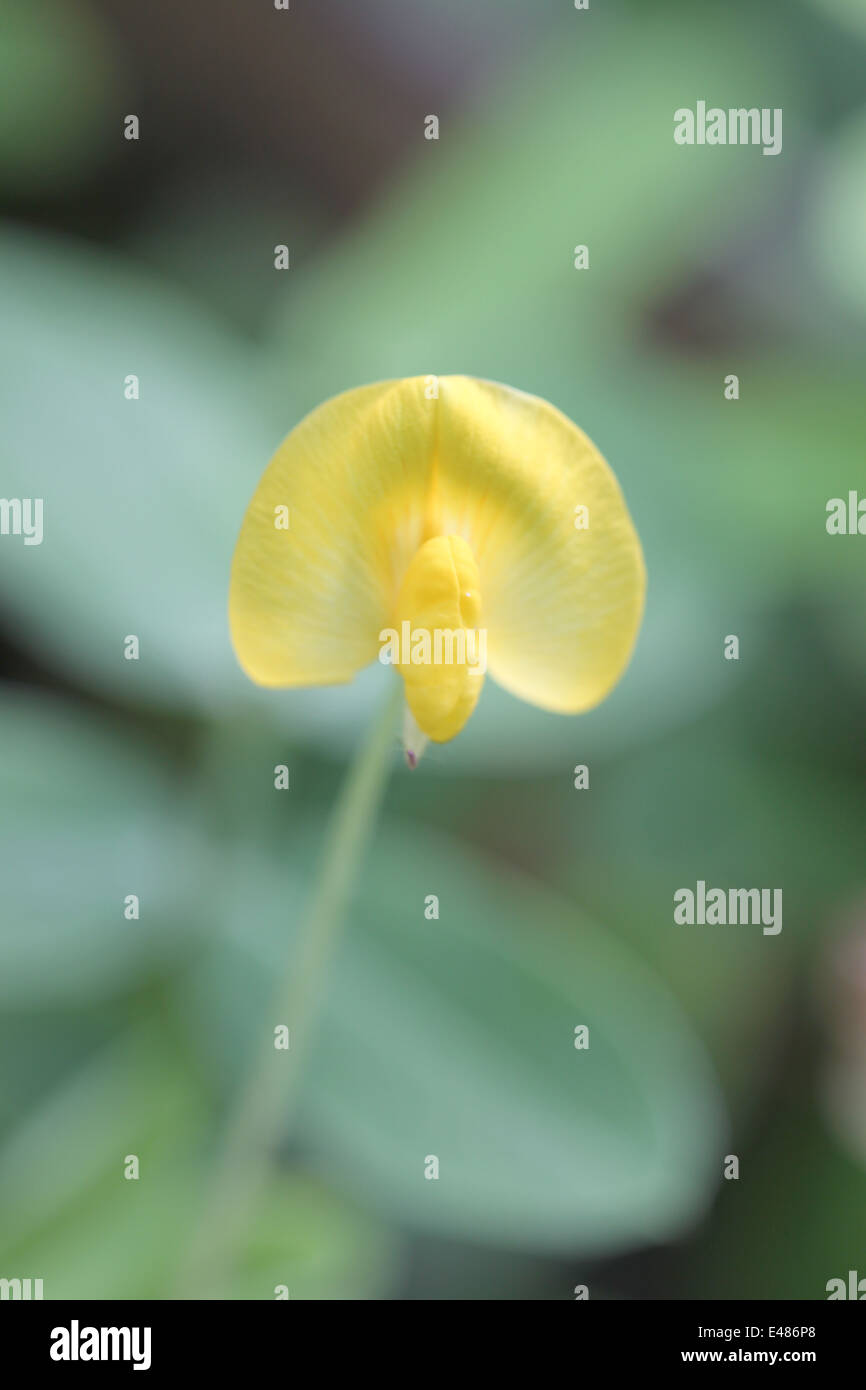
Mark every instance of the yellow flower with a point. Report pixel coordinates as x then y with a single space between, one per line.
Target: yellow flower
454 525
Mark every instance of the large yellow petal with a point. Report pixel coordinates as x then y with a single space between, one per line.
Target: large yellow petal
306 604
561 605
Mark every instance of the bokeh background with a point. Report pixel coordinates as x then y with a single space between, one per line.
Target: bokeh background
155 777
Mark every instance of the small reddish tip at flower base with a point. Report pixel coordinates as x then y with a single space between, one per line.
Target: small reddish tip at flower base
414 742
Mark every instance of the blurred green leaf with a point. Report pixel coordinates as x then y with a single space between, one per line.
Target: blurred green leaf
701 804
317 1244
142 498
71 1218
86 818
67 1210
456 1038
754 476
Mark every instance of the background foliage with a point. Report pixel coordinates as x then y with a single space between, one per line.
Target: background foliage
451 1037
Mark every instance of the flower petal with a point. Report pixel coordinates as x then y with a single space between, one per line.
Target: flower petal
306 604
562 605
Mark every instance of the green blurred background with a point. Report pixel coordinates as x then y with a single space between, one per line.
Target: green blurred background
450 1037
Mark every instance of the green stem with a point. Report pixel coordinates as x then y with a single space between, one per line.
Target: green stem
260 1117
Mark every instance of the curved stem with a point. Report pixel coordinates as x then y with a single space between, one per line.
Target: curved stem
266 1103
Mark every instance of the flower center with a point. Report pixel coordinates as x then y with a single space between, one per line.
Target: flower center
442 646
